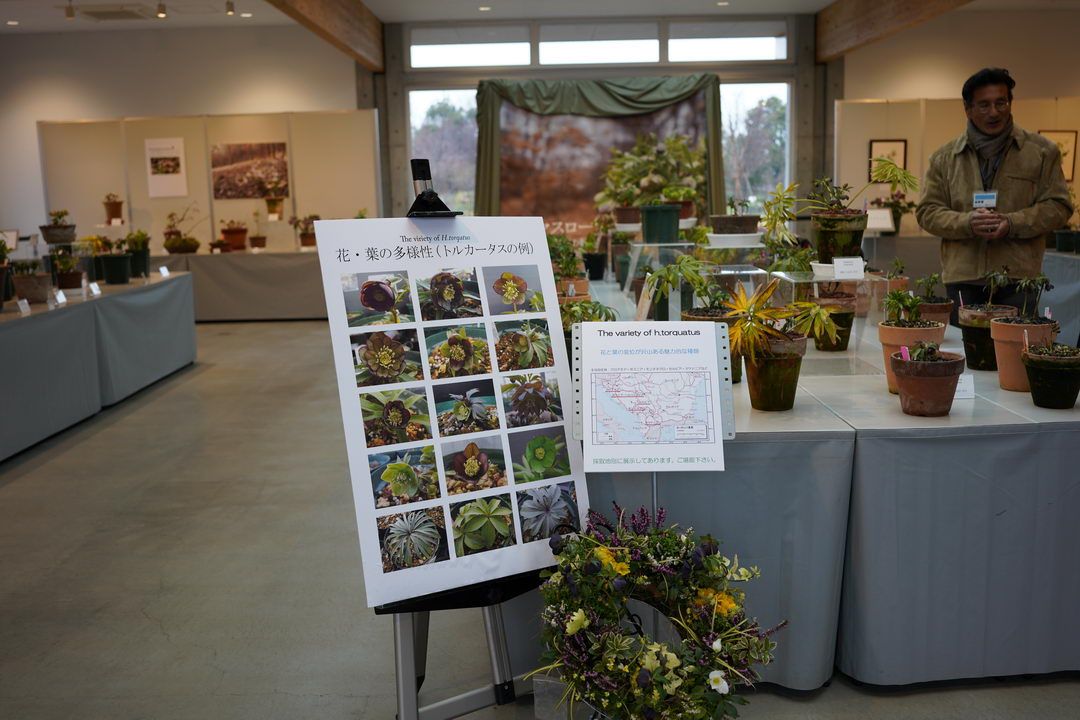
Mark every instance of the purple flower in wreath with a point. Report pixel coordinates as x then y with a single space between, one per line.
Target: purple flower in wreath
377 295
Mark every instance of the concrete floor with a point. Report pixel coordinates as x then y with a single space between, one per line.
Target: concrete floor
192 553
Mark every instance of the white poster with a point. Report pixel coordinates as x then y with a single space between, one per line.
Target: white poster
651 397
452 370
166 167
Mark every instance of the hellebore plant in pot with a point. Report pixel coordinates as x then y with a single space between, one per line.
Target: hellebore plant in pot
737 221
58 231
31 285
305 228
1012 334
567 268
66 269
975 322
115 262
933 307
840 305
579 312
904 328
138 244
894 276
674 275
1054 375
926 379
772 340
594 261
234 232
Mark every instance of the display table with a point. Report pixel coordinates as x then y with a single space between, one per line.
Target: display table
62 366
252 286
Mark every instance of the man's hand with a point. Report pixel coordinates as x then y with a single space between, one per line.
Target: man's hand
989 225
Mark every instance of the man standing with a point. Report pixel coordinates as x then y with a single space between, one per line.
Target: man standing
1023 196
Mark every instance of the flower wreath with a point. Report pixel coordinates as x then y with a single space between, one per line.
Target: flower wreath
597 643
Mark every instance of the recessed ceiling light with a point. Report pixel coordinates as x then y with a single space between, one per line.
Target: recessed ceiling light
230 9
484 8
245 15
161 11
12 23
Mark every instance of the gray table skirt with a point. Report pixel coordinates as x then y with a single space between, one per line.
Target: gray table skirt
253 286
962 554
62 366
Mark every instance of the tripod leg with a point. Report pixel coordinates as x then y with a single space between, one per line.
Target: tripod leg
405 666
501 672
421 622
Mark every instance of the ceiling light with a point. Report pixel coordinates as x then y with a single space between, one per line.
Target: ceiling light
161 12
722 3
245 15
484 8
12 23
69 11
230 9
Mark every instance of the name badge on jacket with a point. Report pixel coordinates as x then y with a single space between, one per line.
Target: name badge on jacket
987 199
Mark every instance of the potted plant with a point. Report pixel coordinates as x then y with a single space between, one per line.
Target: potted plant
1012 334
137 243
772 341
219 246
3 271
683 196
594 261
926 379
579 312
234 232
115 262
30 284
274 192
1068 238
895 277
258 240
737 221
898 206
181 245
58 231
93 248
975 322
840 305
569 284
933 307
305 228
659 222
662 281
66 267
114 208
1054 375
175 223
904 327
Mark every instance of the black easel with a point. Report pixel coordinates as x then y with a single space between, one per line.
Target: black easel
412 617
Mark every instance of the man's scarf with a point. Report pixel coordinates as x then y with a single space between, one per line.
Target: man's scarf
990 148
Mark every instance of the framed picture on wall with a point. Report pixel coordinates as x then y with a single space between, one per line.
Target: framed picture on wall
896 150
1066 142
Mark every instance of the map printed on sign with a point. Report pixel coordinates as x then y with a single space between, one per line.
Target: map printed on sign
650 397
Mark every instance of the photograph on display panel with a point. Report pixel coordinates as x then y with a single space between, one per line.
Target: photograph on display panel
474 465
392 417
457 351
381 298
414 538
250 170
531 399
385 357
449 294
404 476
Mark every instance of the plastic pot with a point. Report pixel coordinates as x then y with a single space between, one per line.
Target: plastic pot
660 223
3 284
975 327
893 338
236 237
734 224
257 241
837 234
686 209
1054 381
58 234
33 288
927 388
594 265
1009 343
622 267
627 215
116 269
773 378
1066 240
702 315
69 280
140 262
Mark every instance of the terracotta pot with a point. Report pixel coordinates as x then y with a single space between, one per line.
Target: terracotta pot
33 288
734 224
575 298
861 291
627 215
927 388
1055 381
307 239
893 338
69 280
975 327
572 287
937 312
257 241
773 379
1009 344
686 209
275 206
114 211
699 315
236 237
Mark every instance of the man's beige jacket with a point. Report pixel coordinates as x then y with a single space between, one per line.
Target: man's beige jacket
1031 193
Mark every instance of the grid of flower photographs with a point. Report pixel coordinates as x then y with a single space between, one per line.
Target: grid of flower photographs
463 419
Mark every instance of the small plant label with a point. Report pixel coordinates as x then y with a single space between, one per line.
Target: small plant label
116 222
273 217
965 387
95 289
164 271
848 268
60 297
24 306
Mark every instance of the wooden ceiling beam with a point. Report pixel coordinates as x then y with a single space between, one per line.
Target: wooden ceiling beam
846 25
346 24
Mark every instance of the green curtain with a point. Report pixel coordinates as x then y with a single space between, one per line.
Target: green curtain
595 98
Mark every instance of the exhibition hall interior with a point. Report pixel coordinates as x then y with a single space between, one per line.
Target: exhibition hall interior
594 360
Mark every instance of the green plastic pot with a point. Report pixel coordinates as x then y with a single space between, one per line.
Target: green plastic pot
140 263
837 234
622 267
660 223
1066 240
1055 381
116 269
773 379
844 322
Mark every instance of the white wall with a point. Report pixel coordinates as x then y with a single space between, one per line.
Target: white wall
104 75
934 59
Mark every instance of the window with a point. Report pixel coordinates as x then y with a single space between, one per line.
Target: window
585 44
754 119
450 47
443 125
727 41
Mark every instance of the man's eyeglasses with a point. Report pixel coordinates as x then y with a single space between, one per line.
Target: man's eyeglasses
984 107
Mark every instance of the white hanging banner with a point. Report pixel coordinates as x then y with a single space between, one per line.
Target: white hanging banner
651 397
455 396
166 167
